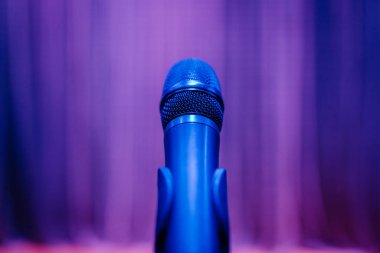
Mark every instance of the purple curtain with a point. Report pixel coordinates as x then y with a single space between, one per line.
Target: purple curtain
80 132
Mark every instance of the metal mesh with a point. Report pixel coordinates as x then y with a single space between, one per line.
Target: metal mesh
191 69
191 102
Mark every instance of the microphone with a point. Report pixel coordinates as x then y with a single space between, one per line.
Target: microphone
192 212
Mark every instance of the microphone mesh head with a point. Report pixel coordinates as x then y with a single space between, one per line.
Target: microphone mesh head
191 72
191 87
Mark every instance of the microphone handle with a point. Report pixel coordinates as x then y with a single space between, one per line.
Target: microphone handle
192 211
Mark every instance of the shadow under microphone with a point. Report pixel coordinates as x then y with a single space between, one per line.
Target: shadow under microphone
192 212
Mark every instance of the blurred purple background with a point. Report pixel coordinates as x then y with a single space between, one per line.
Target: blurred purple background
80 131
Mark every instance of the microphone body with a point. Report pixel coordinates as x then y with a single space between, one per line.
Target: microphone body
192 214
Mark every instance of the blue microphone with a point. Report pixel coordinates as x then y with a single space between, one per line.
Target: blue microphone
192 213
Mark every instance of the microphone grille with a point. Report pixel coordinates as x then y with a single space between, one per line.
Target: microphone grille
192 102
192 70
191 87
